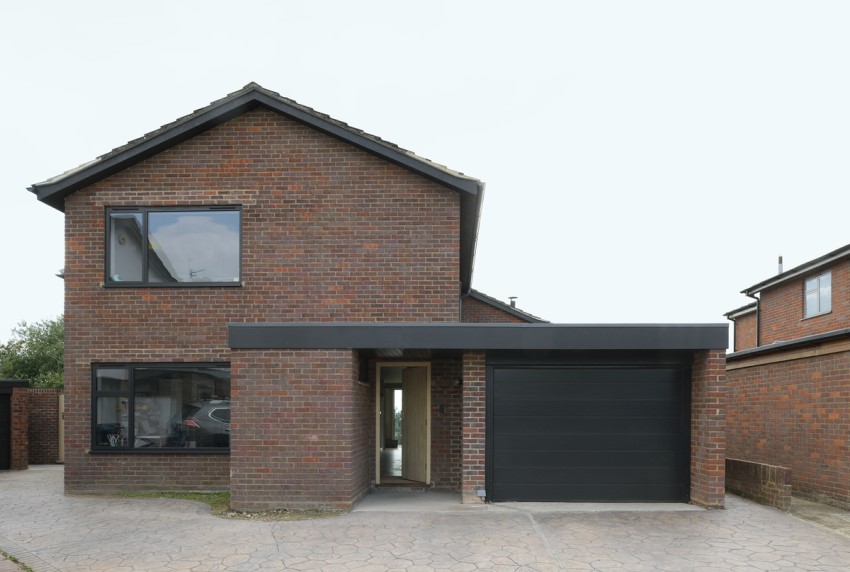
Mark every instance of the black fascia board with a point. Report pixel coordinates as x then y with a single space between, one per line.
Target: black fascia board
7 385
54 193
460 336
791 344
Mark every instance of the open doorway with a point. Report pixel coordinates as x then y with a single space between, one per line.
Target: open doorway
403 452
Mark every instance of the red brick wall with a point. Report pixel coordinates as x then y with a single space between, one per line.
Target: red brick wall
329 233
795 414
745 332
298 435
20 421
782 308
474 310
446 424
44 426
708 428
474 425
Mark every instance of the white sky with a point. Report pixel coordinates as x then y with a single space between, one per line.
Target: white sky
645 161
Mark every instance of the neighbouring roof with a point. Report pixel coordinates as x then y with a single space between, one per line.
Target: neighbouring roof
53 191
796 272
742 311
513 310
468 336
791 344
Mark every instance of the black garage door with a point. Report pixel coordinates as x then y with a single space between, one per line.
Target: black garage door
588 434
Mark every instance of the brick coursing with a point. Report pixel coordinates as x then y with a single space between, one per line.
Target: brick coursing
746 328
474 310
43 426
19 401
298 436
474 425
446 424
330 233
782 308
708 428
794 413
767 484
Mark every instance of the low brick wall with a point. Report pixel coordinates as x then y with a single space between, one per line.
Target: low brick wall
767 484
44 426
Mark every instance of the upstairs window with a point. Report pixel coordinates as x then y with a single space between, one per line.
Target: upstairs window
818 295
173 246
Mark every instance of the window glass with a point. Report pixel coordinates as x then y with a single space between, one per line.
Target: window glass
172 407
125 247
112 428
165 246
818 295
112 379
193 246
826 293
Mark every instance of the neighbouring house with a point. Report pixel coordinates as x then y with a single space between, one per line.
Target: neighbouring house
251 290
788 379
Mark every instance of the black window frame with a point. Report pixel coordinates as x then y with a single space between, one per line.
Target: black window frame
131 407
145 212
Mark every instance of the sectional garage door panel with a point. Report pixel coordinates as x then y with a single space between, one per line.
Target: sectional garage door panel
588 434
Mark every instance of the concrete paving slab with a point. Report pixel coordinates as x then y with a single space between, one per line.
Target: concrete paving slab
50 531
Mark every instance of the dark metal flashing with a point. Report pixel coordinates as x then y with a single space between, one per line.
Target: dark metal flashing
742 311
797 271
791 344
7 385
467 336
481 297
54 191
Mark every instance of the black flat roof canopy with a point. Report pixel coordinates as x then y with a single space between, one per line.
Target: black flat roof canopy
468 336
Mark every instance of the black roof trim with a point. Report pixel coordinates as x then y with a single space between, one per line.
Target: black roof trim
7 385
791 344
745 309
467 336
797 271
512 310
54 190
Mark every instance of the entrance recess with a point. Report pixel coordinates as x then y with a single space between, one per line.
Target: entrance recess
411 381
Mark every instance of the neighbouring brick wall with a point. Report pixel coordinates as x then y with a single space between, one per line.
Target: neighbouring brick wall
297 437
20 432
782 308
474 425
44 426
446 424
474 310
329 233
708 428
745 332
767 484
795 414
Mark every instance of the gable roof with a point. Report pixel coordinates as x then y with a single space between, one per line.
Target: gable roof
798 271
742 311
54 190
512 310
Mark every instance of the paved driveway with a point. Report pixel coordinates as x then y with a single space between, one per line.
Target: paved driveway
50 531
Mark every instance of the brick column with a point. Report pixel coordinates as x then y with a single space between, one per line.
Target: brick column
708 428
474 426
20 428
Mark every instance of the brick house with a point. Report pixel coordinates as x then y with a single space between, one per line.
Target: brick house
788 379
248 289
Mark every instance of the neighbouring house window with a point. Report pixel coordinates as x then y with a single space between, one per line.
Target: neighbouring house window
150 407
819 294
173 246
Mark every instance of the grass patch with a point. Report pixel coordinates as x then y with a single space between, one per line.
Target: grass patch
11 558
220 506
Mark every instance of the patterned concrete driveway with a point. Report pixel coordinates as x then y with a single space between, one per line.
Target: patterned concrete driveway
50 531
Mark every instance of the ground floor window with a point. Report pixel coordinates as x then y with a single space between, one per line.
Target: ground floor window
155 406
